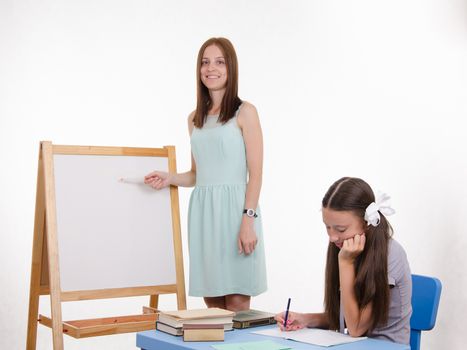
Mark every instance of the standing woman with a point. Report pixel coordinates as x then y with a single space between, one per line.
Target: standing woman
227 263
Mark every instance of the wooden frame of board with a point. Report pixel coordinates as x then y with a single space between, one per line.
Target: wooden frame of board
45 272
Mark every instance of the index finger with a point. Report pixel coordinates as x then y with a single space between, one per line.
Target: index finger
279 317
240 247
362 242
149 176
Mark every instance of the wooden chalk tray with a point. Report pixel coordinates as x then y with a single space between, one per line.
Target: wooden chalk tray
105 326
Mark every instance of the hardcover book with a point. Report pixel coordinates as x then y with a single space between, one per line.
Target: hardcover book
203 332
179 318
252 318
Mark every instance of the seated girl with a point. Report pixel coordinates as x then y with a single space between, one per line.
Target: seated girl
368 285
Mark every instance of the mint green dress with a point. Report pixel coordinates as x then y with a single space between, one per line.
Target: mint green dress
215 214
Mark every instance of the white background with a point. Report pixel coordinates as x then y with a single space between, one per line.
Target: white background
374 89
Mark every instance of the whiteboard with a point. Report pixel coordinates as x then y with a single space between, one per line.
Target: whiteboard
112 234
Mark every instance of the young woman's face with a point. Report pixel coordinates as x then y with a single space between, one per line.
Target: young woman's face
342 225
213 68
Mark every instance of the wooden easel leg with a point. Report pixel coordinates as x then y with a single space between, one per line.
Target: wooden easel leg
154 301
34 293
177 236
36 264
52 246
32 321
57 326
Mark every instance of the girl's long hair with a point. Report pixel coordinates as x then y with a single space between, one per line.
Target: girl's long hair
371 266
230 101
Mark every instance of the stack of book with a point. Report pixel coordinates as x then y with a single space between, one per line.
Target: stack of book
196 325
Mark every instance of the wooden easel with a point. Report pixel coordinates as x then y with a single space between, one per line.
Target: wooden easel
45 273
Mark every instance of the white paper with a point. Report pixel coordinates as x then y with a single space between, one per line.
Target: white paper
272 332
312 336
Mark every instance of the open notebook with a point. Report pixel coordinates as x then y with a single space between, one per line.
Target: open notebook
312 336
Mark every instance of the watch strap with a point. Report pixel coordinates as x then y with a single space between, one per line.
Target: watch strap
250 213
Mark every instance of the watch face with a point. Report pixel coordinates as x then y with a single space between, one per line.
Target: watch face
250 212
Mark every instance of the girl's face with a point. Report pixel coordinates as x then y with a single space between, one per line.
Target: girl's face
213 68
342 225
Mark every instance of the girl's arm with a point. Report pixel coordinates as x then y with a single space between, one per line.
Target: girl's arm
297 321
357 321
248 121
160 179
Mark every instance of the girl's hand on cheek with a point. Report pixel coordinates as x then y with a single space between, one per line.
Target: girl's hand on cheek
352 248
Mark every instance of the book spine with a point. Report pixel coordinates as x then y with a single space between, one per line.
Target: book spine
203 335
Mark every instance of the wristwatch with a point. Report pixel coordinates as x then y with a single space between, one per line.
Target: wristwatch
251 213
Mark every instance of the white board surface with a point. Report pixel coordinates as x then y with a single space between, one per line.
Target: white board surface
112 234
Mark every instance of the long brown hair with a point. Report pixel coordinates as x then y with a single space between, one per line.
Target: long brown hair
230 101
371 266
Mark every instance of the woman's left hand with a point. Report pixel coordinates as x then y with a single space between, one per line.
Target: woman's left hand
352 248
247 237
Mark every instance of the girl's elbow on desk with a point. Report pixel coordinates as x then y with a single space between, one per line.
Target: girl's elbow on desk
357 332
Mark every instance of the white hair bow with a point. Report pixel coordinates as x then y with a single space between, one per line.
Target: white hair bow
380 205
